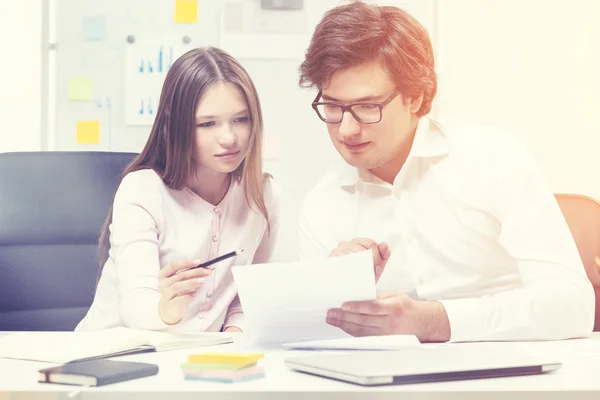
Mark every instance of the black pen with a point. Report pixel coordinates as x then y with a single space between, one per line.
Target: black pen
219 259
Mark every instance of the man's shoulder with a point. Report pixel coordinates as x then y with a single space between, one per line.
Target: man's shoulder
485 144
470 137
332 183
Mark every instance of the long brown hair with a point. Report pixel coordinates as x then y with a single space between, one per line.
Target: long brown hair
355 33
169 149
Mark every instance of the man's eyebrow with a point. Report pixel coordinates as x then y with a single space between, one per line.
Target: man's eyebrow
358 100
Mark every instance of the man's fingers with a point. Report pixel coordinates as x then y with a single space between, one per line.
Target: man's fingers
381 253
375 307
384 251
177 265
365 243
354 329
374 321
347 248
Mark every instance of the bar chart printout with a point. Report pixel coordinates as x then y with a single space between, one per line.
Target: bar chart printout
146 65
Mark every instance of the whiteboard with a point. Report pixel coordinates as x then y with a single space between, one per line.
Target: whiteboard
269 44
104 62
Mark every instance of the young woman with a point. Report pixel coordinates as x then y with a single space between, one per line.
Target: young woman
195 192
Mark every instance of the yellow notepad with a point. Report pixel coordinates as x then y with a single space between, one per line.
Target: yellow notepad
225 358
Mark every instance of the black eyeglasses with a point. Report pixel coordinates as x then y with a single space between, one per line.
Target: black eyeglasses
365 113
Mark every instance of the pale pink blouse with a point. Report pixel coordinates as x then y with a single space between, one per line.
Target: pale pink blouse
153 225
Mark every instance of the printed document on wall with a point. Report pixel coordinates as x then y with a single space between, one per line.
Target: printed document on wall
288 302
146 66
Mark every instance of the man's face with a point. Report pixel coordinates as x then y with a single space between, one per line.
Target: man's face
369 146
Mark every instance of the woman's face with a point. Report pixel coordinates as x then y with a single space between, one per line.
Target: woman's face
223 128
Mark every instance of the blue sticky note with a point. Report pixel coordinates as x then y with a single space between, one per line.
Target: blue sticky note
94 27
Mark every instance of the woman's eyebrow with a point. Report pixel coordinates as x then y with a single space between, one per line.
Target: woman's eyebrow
199 117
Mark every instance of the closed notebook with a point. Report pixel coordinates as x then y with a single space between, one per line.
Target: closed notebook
96 372
65 347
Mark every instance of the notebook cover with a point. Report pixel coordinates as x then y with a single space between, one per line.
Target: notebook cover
105 371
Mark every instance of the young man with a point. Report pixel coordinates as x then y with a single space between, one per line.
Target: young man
469 243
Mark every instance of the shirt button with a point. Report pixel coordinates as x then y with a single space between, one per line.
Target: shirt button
215 239
216 210
200 316
208 294
421 281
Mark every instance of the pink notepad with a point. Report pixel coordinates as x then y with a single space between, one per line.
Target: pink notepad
224 373
243 374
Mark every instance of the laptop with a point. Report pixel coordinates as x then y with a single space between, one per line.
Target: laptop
423 364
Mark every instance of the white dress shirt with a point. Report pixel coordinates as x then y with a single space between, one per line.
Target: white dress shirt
471 223
153 225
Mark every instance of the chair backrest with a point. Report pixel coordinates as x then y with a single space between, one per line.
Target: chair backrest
582 214
52 207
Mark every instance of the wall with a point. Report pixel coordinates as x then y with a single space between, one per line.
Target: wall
529 66
20 75
532 67
297 149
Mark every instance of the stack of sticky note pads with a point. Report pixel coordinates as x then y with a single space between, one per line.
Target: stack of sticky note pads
223 367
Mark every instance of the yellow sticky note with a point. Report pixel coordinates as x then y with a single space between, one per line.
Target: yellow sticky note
81 88
88 132
186 11
225 358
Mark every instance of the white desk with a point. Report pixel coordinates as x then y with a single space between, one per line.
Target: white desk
579 378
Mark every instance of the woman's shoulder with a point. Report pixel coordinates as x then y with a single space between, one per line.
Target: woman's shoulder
272 191
140 183
142 177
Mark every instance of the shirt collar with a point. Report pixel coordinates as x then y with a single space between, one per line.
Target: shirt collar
429 142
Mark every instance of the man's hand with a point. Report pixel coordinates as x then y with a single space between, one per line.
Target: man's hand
381 252
393 314
232 329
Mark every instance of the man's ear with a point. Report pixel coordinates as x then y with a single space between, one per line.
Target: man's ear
415 104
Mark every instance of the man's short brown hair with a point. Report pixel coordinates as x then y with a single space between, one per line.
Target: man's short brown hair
356 33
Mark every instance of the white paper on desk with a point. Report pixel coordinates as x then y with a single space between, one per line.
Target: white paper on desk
388 342
288 302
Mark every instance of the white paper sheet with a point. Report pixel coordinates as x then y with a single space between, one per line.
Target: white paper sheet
388 342
288 302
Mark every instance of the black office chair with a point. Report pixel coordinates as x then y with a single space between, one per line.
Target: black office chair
52 207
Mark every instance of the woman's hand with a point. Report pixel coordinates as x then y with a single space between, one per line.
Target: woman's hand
178 288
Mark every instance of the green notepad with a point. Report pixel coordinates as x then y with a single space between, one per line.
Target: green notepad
212 367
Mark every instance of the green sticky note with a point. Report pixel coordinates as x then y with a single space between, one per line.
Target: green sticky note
94 27
81 89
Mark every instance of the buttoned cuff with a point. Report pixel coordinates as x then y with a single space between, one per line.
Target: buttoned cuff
236 319
467 322
139 310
